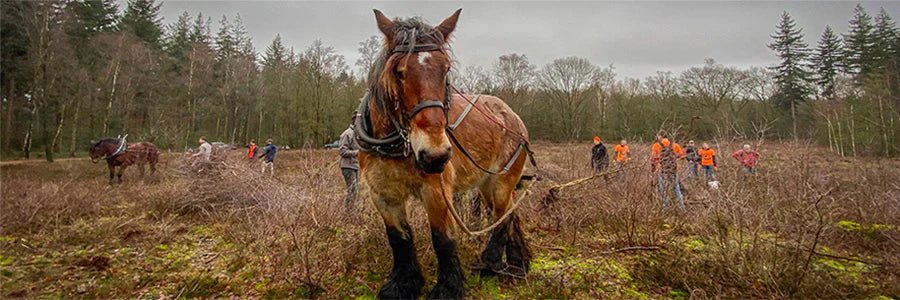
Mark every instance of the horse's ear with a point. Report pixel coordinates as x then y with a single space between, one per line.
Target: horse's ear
448 25
385 25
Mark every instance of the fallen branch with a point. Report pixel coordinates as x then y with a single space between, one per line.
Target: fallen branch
554 190
635 248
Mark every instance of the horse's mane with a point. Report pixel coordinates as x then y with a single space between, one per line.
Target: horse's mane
407 32
107 140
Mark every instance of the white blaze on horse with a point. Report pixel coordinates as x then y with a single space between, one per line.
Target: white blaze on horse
119 154
419 140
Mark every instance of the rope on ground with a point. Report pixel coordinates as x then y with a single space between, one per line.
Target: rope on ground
518 200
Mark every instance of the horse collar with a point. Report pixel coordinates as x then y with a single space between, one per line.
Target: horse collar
121 149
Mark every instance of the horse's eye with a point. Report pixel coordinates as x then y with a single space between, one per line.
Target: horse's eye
400 71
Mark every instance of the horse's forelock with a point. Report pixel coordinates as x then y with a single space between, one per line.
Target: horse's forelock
407 32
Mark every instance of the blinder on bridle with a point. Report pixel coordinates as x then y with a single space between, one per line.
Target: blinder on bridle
396 143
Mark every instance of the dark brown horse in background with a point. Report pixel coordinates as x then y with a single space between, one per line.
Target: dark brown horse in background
408 120
119 154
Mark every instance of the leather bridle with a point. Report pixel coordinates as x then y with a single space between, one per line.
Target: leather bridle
396 143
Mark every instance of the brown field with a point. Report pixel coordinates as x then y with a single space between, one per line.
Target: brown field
809 225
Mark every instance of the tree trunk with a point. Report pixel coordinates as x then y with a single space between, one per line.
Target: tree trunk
852 130
794 120
831 146
75 128
110 98
29 133
840 135
57 136
884 129
10 107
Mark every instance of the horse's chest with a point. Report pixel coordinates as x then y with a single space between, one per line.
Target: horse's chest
390 178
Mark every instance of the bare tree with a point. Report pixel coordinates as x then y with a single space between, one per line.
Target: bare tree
513 73
570 84
368 51
474 80
713 86
662 86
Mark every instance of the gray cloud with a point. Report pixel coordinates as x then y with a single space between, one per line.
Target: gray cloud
639 38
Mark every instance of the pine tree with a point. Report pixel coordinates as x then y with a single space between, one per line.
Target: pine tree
858 56
243 42
276 53
827 61
225 42
178 39
97 15
200 32
791 75
884 38
142 19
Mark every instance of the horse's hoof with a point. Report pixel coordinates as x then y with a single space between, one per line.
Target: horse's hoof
447 290
406 288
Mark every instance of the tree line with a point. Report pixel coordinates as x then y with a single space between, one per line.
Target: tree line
74 71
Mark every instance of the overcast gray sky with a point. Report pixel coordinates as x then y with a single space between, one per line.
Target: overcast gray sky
638 38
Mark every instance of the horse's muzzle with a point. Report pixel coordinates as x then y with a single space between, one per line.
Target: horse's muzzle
95 160
432 164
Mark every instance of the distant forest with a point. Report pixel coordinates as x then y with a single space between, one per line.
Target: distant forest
76 71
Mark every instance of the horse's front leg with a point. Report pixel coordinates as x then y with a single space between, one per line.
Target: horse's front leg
119 174
450 282
406 278
112 173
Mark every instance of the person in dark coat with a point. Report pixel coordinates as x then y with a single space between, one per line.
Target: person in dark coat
599 161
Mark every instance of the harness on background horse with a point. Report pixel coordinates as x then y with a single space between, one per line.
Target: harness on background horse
123 147
396 143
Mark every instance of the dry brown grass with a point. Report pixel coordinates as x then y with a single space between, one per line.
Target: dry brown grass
810 225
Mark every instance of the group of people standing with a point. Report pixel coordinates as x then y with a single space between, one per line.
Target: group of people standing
664 156
268 155
204 152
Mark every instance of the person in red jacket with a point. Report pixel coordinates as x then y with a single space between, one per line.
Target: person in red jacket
748 158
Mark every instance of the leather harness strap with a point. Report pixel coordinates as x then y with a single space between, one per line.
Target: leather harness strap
464 113
423 105
396 143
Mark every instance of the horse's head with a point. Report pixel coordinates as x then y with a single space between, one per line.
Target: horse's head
97 151
103 148
414 77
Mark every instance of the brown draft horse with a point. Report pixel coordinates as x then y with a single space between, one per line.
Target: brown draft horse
405 133
118 154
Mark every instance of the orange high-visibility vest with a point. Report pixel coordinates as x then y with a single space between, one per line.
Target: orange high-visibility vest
252 151
707 157
621 153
